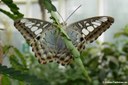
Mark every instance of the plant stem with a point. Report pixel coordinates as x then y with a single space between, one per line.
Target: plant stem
70 46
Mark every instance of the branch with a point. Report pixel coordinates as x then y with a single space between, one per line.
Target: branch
51 9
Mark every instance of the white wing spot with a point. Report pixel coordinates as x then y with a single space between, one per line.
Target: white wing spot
45 25
95 26
96 23
41 51
83 35
41 22
44 56
24 20
34 28
90 28
38 31
29 24
80 25
37 24
87 24
103 19
84 31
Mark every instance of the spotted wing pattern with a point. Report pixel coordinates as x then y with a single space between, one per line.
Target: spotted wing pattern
45 43
49 46
92 28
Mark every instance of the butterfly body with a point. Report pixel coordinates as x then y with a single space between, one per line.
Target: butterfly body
47 43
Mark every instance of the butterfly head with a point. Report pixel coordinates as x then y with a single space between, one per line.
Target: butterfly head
64 24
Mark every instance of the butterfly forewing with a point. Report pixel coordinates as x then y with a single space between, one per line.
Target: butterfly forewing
32 28
34 31
49 46
91 28
42 37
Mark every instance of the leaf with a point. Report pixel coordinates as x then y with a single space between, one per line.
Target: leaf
48 5
14 9
5 80
7 1
6 48
117 35
21 56
113 63
7 13
124 32
125 47
126 29
19 75
15 63
93 63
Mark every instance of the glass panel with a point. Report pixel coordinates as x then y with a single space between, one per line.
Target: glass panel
87 9
119 10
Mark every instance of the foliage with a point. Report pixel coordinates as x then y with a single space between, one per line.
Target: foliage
19 69
14 9
76 54
124 32
105 62
48 5
19 75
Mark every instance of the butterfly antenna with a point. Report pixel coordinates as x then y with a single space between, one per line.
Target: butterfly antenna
60 16
72 13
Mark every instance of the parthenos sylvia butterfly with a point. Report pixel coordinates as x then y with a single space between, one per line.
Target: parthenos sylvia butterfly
49 46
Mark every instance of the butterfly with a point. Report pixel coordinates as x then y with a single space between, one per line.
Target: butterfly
49 46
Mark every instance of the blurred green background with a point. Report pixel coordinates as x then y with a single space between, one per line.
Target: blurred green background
105 59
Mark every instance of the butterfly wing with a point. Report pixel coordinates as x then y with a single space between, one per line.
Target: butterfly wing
46 44
88 30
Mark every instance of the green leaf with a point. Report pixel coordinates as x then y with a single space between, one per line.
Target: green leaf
48 5
7 1
126 29
124 32
15 63
76 54
14 9
113 63
6 49
20 55
125 47
5 80
8 13
19 75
